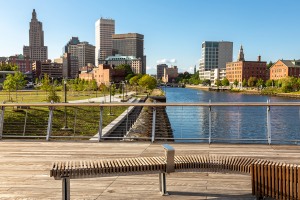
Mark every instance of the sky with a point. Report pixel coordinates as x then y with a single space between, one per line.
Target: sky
173 29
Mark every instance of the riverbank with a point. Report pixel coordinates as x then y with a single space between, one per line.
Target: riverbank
142 128
247 91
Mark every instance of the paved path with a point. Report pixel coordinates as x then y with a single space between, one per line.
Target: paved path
25 165
115 98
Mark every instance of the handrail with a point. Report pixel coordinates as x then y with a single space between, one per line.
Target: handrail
154 104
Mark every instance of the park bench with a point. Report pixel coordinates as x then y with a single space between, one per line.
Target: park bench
268 179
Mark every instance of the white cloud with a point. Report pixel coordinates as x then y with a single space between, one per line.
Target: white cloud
148 68
166 61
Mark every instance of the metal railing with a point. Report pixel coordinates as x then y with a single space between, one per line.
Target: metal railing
242 122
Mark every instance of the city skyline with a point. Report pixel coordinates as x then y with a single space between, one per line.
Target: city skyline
173 30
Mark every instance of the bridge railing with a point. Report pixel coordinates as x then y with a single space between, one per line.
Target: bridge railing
238 122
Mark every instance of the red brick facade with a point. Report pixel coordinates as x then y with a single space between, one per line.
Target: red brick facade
284 68
241 70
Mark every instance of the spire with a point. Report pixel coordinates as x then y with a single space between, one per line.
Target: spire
241 54
33 14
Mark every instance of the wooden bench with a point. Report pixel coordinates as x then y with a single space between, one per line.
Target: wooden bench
268 179
112 167
275 180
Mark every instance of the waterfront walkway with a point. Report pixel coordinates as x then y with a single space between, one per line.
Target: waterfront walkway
25 165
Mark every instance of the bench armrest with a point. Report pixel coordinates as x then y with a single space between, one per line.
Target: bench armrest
169 154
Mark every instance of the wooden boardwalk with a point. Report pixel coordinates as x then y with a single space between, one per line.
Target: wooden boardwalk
25 165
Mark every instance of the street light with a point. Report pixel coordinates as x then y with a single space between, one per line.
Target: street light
123 84
110 83
126 87
66 128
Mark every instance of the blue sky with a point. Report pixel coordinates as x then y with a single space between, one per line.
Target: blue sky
173 29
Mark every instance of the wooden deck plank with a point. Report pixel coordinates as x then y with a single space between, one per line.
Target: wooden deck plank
25 165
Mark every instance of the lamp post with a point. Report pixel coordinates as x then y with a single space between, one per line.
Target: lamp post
123 85
126 87
110 83
65 96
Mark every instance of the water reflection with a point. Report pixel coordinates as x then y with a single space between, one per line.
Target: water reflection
232 123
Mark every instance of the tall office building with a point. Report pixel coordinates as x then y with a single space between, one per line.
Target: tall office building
71 46
105 28
85 54
129 44
215 55
36 49
160 71
80 53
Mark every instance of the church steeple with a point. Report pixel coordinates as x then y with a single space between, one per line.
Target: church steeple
33 14
241 54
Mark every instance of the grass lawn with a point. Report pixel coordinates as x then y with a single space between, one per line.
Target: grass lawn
84 121
31 96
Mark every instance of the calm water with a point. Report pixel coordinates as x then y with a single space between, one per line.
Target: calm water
232 124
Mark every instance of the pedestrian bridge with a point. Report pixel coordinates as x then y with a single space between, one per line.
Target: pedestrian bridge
25 165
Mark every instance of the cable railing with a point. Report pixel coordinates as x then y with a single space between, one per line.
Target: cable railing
208 122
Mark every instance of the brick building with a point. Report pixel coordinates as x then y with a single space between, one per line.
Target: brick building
284 68
170 74
23 62
104 74
242 69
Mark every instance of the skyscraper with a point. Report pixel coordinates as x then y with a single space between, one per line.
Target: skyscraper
215 55
80 53
36 49
85 54
129 44
105 28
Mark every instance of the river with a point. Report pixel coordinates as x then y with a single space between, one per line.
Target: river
231 124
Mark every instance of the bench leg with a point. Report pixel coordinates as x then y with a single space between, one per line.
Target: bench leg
163 184
65 188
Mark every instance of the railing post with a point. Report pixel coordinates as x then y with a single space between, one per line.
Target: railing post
269 123
153 123
25 122
50 119
209 123
66 188
100 124
127 121
1 121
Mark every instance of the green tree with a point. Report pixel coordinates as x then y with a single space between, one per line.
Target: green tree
269 65
206 82
134 80
252 81
46 86
225 82
52 95
129 76
195 79
218 83
8 67
289 84
125 67
113 89
9 84
94 85
260 82
236 82
244 83
147 82
269 83
14 82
